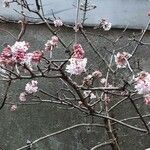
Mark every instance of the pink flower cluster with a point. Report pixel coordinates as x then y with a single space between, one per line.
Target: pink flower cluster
147 99
77 61
78 51
58 23
30 88
6 56
88 80
18 54
53 42
121 59
142 85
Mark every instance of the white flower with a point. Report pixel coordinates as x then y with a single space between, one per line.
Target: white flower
76 66
142 83
58 23
22 96
103 80
20 46
97 74
51 43
147 99
88 93
28 60
13 108
105 25
121 59
88 80
31 87
142 87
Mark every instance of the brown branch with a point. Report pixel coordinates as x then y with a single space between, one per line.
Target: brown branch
120 122
118 103
76 88
102 88
59 132
141 38
95 50
8 33
6 94
138 112
101 145
23 29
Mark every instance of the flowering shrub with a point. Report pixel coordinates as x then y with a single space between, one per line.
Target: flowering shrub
77 62
121 59
96 88
58 23
17 54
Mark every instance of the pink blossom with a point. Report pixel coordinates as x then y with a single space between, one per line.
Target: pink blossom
76 66
142 83
18 56
22 96
19 51
14 53
28 60
20 46
88 93
58 23
55 40
6 53
121 59
96 74
13 108
51 43
31 87
147 99
37 55
77 62
88 80
142 87
105 25
142 76
78 51
6 56
103 80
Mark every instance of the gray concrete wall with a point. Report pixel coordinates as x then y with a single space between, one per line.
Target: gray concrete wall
121 13
33 121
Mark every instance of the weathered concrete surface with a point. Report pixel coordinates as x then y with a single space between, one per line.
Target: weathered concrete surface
122 13
33 121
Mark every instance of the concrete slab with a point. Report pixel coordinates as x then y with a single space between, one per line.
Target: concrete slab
120 12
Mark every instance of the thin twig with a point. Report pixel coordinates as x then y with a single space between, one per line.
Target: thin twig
59 132
101 145
138 112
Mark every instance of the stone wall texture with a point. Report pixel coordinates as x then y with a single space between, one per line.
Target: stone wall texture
30 121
